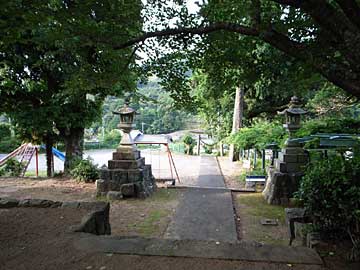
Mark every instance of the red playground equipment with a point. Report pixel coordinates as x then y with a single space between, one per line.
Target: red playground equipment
24 154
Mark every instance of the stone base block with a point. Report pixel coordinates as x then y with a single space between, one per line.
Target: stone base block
126 177
126 164
281 186
114 195
101 186
128 190
126 156
289 167
293 158
293 151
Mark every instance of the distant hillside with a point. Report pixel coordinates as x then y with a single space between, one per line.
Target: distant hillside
157 114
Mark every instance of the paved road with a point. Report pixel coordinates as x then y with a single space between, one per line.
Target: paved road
205 214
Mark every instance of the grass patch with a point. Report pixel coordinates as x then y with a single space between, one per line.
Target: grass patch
33 174
150 225
253 208
258 207
163 195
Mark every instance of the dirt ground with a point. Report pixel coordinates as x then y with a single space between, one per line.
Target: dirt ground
128 217
33 238
148 217
231 172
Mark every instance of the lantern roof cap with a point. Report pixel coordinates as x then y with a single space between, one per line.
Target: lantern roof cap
125 109
294 107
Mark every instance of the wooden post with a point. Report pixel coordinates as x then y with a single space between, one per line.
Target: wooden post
37 161
52 164
221 149
169 158
172 160
263 159
255 158
198 145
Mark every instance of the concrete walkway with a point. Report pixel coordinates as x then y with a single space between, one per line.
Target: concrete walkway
205 214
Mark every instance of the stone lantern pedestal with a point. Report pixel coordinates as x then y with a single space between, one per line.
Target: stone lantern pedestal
126 174
284 177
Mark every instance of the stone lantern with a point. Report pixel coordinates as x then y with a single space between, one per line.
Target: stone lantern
127 175
284 177
127 116
293 119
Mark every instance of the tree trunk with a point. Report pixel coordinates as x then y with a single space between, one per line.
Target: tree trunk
73 139
49 158
237 120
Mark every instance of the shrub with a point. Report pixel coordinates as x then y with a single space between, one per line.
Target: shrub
85 170
258 135
329 125
189 143
12 167
112 138
330 192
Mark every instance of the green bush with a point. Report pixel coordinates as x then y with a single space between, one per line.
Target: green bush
112 138
330 192
12 167
329 125
85 170
258 135
189 142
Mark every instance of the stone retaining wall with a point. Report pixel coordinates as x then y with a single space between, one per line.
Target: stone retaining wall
95 222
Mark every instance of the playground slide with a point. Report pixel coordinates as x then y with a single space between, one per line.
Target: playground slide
13 154
56 153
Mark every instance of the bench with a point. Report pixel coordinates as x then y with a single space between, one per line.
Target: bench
252 180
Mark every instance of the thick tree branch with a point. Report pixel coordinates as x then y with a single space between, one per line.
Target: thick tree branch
292 3
338 75
351 10
256 14
283 43
321 11
232 27
324 14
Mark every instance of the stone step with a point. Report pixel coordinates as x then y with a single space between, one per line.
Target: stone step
243 251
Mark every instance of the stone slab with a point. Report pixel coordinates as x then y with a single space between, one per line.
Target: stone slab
243 251
8 203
